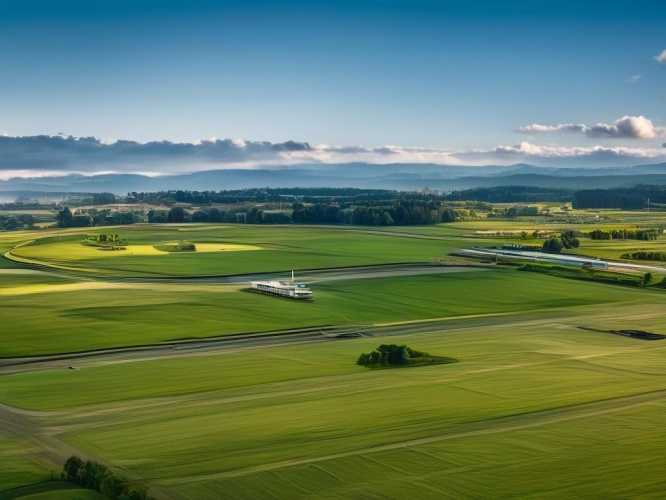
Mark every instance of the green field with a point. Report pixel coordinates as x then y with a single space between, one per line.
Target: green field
50 318
21 463
531 392
535 408
282 249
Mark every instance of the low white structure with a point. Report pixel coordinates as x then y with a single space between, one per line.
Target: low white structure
289 289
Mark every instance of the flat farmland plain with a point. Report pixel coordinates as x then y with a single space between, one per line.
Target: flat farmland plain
535 408
533 405
47 318
281 249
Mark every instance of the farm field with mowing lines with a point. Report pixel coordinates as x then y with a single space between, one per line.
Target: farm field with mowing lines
51 318
223 248
536 407
281 249
527 398
20 463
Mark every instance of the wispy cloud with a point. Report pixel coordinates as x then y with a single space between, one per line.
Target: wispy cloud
538 128
633 79
661 58
627 127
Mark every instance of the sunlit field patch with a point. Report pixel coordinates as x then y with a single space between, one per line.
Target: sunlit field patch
68 250
224 247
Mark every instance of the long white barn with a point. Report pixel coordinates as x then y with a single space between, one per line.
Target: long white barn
289 289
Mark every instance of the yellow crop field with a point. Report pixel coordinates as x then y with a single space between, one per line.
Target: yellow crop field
224 247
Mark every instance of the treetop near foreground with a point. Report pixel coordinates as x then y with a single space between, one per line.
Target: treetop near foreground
98 477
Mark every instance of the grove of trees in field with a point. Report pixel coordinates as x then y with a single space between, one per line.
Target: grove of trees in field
95 476
387 355
13 222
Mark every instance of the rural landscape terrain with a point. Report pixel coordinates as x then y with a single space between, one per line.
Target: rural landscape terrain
332 250
163 366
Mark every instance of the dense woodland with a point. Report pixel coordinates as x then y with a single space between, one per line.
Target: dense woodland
512 194
263 195
634 198
12 222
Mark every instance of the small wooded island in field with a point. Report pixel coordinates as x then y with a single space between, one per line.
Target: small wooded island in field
393 355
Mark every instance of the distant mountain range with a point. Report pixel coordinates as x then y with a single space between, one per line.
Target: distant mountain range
357 175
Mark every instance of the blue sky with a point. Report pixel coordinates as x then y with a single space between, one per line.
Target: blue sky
474 82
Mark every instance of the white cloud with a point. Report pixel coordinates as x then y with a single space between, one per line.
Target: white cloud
661 58
628 127
538 128
637 127
556 151
33 156
633 79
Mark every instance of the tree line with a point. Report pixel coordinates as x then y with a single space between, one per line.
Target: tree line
381 213
645 255
263 195
13 222
624 234
513 212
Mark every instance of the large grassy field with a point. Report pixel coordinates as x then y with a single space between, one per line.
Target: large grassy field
535 408
225 249
280 249
21 463
43 318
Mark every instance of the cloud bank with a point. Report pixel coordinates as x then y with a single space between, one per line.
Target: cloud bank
561 156
35 156
627 127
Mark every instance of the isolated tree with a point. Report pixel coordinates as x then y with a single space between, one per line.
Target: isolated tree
214 215
65 218
449 215
647 277
363 360
553 245
255 216
200 216
176 214
70 471
569 239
